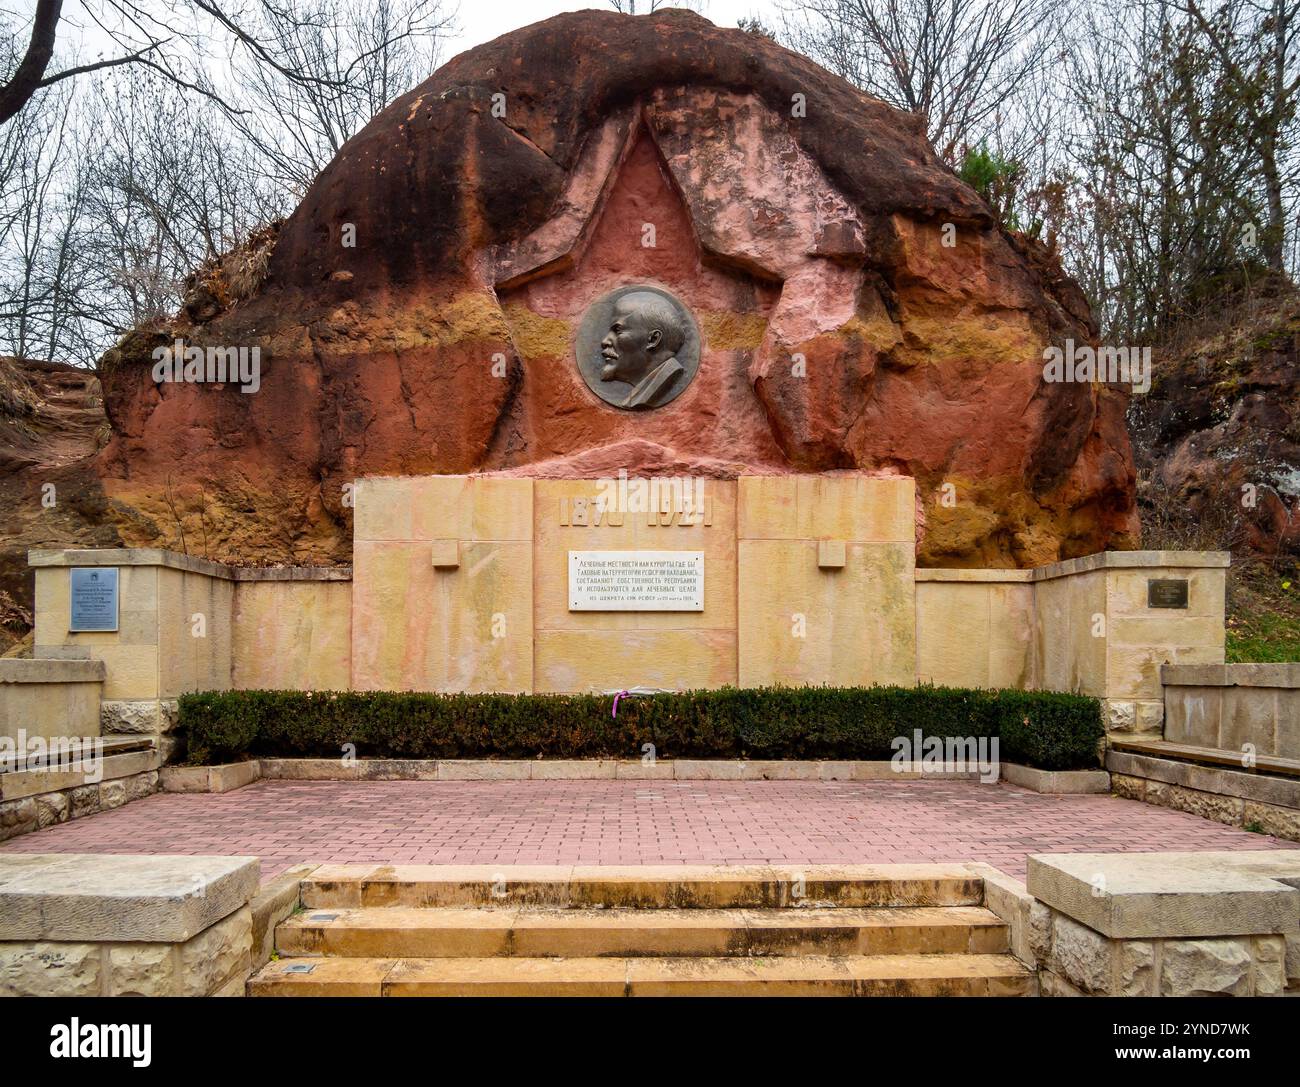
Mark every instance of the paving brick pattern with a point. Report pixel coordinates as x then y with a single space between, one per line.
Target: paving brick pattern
634 822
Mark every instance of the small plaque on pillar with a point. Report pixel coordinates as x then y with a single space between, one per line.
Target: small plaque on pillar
93 598
1167 592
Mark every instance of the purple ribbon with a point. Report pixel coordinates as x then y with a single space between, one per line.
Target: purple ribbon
621 694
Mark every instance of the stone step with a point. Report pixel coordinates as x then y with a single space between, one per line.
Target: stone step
543 932
334 886
793 975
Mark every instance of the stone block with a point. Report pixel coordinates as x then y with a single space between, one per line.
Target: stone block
275 900
1135 963
446 554
44 968
1080 955
135 717
1249 716
1192 715
1055 781
1206 967
1222 809
52 808
1120 716
84 801
120 898
142 970
17 817
218 953
292 635
1272 819
112 794
608 661
1170 895
1269 954
830 554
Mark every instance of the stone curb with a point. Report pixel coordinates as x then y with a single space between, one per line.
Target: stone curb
228 776
217 779
1058 782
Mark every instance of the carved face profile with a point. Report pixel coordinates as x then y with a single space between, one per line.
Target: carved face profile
649 350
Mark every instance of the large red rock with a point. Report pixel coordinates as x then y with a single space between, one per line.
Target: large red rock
859 309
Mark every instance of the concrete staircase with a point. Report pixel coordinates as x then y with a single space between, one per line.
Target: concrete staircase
673 931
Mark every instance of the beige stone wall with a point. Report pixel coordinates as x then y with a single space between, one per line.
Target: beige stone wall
292 635
800 623
460 584
463 628
1141 639
1231 706
50 697
611 651
130 654
1081 626
1068 654
194 632
496 614
975 628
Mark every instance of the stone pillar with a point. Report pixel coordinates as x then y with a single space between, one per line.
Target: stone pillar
809 614
442 591
173 636
1166 924
75 924
1096 633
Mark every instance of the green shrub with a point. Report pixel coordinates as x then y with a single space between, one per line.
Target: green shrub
1044 729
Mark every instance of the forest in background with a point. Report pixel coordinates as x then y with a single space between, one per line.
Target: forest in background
1151 145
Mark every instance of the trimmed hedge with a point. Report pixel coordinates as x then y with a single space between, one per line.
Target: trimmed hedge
1045 729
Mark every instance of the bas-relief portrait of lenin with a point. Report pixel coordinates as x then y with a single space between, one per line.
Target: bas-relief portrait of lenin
638 347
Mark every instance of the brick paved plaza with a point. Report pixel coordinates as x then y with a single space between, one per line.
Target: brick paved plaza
635 822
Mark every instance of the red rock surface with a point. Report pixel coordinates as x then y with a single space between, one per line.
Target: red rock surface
442 341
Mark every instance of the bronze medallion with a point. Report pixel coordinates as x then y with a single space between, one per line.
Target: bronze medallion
638 347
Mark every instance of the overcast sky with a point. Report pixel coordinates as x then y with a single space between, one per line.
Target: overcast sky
482 21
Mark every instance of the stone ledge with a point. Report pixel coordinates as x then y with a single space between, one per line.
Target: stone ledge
935 573
1056 781
1129 560
18 784
156 556
1231 675
1164 895
210 779
51 670
85 897
591 770
1284 792
1007 897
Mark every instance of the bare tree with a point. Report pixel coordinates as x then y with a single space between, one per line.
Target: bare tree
322 70
647 7
958 63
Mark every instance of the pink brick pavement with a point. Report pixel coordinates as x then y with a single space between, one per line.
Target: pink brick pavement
634 822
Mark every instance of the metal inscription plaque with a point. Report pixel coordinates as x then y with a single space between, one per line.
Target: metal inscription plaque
638 348
636 580
1167 592
94 598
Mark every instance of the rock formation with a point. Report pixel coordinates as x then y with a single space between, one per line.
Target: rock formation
859 309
